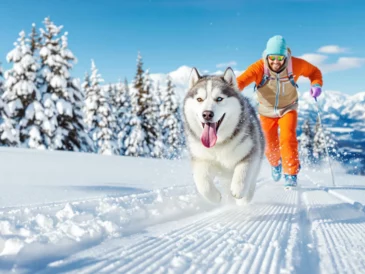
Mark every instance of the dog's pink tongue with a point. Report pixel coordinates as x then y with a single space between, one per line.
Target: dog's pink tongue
209 135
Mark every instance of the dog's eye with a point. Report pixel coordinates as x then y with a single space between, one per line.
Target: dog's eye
219 99
200 100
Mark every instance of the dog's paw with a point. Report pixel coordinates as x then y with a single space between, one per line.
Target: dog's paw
237 190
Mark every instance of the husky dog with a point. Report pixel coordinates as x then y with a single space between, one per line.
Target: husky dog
224 136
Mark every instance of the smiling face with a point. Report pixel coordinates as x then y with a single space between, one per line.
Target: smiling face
276 62
208 106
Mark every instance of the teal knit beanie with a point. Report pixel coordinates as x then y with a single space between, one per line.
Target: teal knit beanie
276 45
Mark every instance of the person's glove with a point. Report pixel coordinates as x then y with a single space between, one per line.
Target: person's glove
315 91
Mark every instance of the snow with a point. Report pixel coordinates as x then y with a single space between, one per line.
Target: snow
76 212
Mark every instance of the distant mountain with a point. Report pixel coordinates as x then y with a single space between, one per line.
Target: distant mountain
180 78
338 109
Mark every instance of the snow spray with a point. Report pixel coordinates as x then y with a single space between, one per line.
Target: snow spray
328 155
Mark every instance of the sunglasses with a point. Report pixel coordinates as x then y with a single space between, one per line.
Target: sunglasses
276 57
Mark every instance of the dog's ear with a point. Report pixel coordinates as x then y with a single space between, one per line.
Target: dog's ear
230 77
194 77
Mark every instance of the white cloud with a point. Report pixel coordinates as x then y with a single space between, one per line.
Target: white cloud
332 49
342 63
220 72
314 58
225 65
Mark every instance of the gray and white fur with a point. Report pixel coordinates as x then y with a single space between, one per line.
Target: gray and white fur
224 136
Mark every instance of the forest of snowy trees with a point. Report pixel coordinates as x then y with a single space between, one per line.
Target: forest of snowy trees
313 142
43 107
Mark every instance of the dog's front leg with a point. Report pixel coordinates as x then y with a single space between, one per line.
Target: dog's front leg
239 184
204 181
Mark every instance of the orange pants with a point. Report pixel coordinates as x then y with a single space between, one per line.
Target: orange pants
284 146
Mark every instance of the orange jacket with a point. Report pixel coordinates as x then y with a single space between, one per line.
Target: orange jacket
255 72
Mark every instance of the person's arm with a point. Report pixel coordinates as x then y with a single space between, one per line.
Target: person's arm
250 74
306 69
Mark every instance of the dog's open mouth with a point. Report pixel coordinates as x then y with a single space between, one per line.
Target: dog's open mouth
209 135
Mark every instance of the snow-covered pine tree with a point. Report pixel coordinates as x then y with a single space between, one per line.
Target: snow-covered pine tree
22 96
138 142
323 138
65 128
9 136
99 117
35 40
79 132
160 119
158 95
85 86
112 93
332 144
150 118
306 144
123 113
135 141
172 122
319 149
1 81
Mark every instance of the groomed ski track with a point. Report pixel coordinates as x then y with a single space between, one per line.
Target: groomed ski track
311 229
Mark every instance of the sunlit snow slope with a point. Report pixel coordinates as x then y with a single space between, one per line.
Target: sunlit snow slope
81 213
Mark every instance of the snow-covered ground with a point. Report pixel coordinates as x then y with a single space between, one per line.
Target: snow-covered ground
65 212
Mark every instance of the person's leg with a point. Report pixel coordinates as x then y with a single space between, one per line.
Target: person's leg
270 130
289 143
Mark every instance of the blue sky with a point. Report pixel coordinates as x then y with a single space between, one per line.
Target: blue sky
204 34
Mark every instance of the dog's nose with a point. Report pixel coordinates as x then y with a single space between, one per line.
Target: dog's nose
208 115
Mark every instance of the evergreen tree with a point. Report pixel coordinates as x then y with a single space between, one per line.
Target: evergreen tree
85 90
89 113
172 122
138 141
323 138
35 40
99 116
135 142
9 136
112 93
160 118
331 145
319 149
85 87
23 97
123 114
62 98
149 119
1 81
306 144
78 132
